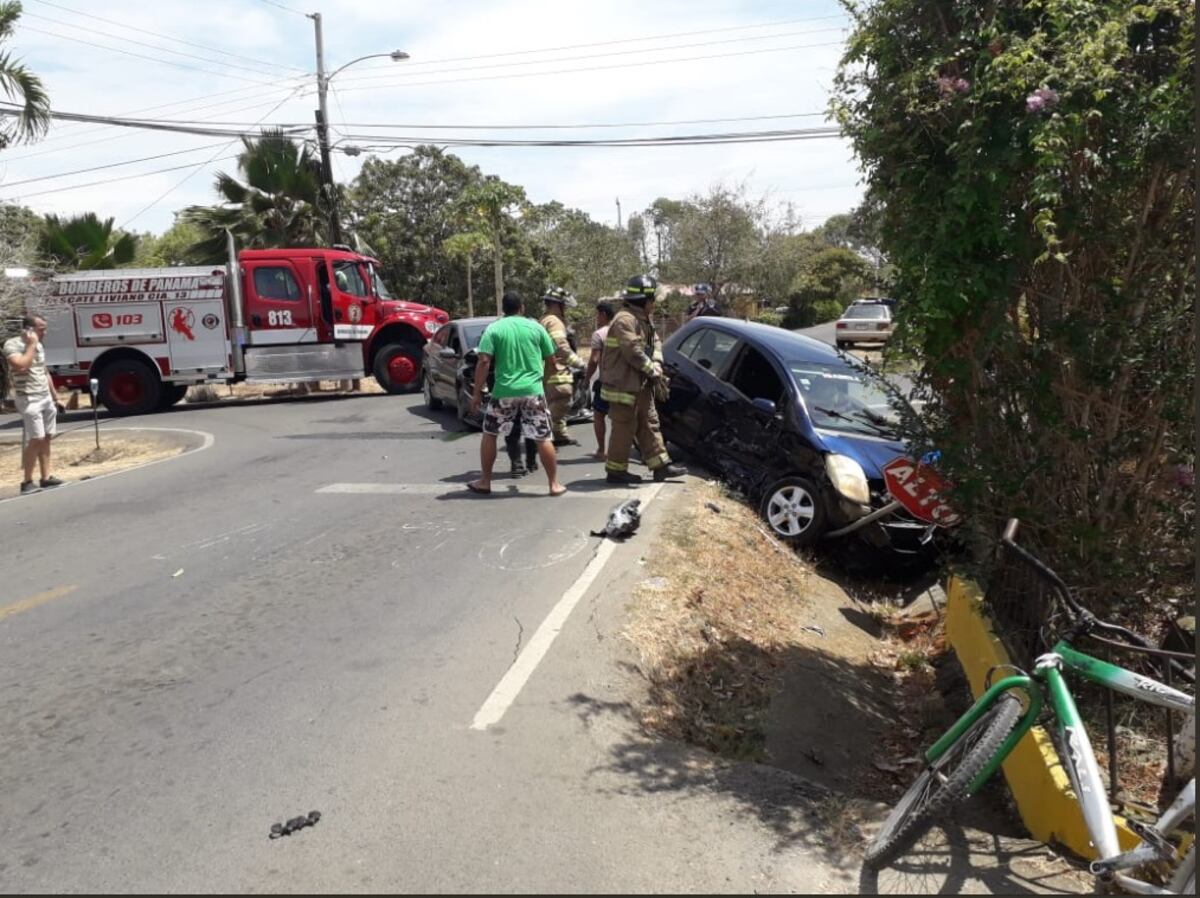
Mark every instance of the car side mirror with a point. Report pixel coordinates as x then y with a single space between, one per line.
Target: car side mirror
447 353
766 406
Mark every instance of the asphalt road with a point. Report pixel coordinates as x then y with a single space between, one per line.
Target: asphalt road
310 614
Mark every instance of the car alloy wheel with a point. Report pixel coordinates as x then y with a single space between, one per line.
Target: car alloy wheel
790 511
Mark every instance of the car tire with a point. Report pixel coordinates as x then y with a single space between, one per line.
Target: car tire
172 394
392 362
130 387
795 512
431 402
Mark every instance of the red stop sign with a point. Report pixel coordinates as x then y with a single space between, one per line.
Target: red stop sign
920 489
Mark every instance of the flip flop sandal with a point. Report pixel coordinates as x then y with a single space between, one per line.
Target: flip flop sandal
475 488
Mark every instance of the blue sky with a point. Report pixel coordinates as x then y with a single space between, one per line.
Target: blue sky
734 60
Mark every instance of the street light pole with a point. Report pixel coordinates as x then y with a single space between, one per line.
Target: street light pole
335 225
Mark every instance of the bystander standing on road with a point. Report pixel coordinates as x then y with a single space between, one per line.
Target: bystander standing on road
523 354
604 317
37 403
703 304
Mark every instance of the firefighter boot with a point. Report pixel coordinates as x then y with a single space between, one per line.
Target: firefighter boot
669 470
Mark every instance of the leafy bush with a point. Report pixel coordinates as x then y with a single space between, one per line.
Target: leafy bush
1034 164
771 317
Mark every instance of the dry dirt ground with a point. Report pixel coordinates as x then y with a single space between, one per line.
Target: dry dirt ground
74 455
751 653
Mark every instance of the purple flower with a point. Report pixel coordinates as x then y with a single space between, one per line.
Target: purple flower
948 86
1040 99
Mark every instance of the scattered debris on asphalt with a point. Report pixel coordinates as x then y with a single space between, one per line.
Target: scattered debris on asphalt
279 830
713 507
623 520
178 573
813 628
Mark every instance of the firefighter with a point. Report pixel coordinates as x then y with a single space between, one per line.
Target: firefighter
560 383
630 373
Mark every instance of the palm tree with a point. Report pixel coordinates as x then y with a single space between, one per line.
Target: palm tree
20 85
84 242
276 203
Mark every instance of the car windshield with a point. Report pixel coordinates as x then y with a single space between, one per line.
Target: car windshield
865 311
838 397
473 333
381 289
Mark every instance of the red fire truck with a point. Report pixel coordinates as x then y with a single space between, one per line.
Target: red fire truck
273 315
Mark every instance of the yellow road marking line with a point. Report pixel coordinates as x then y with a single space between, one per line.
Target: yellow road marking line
33 601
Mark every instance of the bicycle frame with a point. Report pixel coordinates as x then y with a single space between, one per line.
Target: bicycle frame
1080 763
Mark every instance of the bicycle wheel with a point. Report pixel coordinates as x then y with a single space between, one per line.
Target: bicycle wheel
944 783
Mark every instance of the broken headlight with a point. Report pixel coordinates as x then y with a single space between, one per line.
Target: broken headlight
848 478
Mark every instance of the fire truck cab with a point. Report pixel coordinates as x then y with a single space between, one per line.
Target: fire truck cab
271 315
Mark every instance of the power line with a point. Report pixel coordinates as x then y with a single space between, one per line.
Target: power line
384 140
168 37
81 171
585 126
189 175
178 65
281 6
610 53
597 68
129 40
626 40
145 174
70 128
148 125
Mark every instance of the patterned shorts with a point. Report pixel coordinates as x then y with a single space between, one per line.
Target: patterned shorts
530 411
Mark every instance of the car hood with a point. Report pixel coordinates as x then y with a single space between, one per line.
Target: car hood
396 306
870 452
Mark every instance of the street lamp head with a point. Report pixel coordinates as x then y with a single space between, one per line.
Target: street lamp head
398 55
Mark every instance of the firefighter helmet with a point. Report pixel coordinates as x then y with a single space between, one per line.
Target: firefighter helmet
559 295
639 289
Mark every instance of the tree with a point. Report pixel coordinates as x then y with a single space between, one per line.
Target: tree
464 246
176 246
589 258
825 286
1034 166
488 206
406 210
277 202
84 242
21 85
718 239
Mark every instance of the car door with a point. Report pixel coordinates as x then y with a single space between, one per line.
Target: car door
278 305
751 435
354 306
449 365
433 362
695 389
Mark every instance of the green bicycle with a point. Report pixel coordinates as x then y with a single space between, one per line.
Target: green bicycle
965 757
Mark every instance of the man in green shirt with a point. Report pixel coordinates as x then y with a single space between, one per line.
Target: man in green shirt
523 354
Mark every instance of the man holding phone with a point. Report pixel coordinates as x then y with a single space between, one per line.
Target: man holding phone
37 402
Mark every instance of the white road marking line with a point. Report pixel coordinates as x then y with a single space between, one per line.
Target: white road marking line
499 489
518 675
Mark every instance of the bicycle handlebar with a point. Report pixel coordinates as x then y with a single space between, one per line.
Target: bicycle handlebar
1082 614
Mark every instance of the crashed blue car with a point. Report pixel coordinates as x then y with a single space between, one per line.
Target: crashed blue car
795 424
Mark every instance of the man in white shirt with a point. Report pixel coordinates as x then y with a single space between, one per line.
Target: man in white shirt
37 402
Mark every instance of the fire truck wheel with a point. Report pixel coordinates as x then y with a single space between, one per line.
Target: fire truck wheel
130 387
398 368
172 394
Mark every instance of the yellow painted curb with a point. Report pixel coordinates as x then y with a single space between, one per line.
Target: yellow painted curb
1036 779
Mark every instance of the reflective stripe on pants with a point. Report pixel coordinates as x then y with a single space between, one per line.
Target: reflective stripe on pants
639 420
